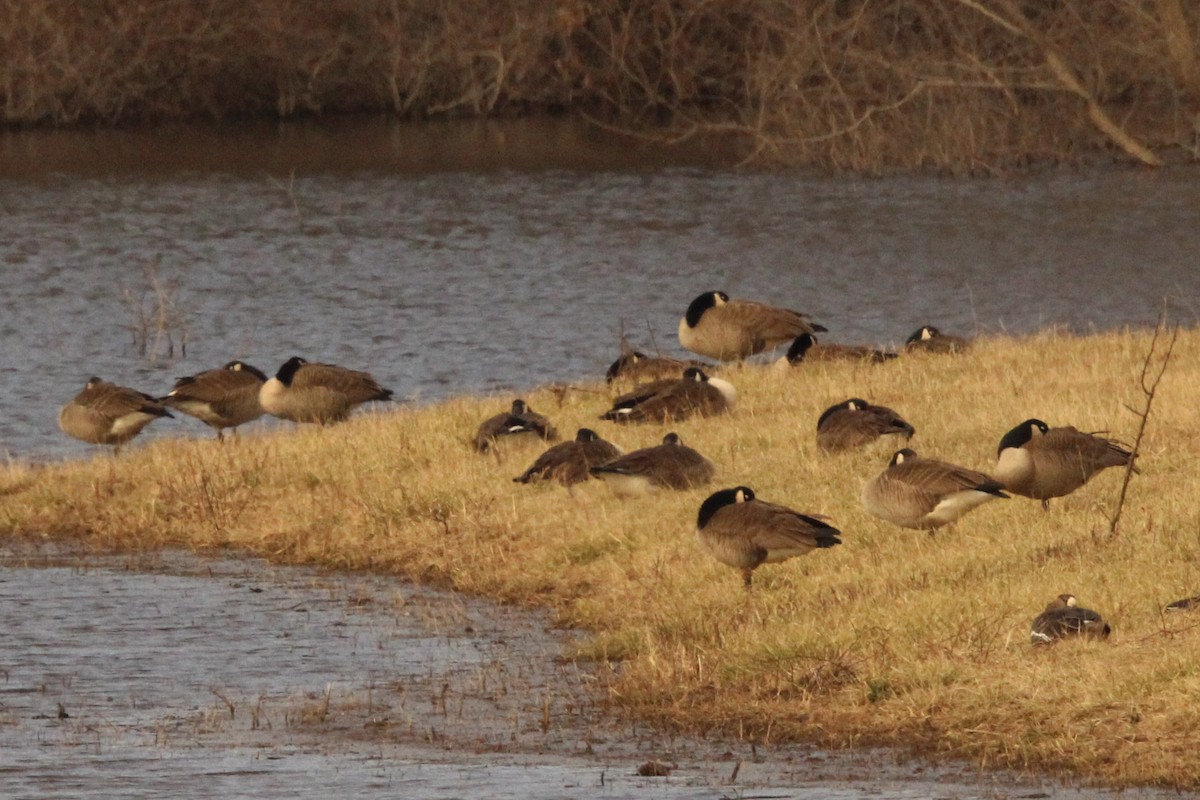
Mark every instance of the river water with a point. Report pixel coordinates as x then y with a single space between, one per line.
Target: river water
446 260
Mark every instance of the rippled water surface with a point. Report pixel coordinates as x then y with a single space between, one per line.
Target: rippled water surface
171 675
473 277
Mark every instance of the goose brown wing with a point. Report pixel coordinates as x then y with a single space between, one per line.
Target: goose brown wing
111 402
1079 449
764 322
355 386
938 478
777 528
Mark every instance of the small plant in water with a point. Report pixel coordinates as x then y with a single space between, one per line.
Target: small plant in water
158 320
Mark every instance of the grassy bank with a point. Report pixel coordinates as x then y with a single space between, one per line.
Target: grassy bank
896 637
967 84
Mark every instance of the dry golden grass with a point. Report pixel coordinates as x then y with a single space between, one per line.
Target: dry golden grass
965 84
896 637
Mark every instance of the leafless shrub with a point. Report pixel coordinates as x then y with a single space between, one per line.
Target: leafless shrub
158 321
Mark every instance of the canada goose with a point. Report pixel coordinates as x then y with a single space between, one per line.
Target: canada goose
520 419
321 393
670 465
807 348
569 462
855 422
728 330
744 532
1035 460
220 398
674 399
1063 618
1186 604
923 493
928 339
634 365
104 413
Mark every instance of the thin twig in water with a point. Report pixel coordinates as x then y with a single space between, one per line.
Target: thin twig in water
1149 389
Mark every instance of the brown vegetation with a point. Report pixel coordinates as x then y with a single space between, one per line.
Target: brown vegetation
967 84
895 637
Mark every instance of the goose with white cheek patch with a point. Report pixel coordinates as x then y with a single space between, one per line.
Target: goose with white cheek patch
744 532
1065 618
928 339
924 493
730 330
694 394
670 465
105 413
1037 461
320 393
220 398
856 423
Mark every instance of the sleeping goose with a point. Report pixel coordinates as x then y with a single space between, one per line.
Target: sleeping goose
923 493
674 399
744 532
520 419
104 413
570 462
1063 617
670 465
1035 460
636 366
928 339
855 422
729 330
220 398
320 393
807 348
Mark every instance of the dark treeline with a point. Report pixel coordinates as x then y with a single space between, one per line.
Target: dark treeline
862 84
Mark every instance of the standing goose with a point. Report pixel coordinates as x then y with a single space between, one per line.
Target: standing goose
104 413
635 366
570 462
807 348
855 422
220 398
729 330
320 393
1063 618
923 493
670 465
676 399
744 532
520 419
928 339
1035 460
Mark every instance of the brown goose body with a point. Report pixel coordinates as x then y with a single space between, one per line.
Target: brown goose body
855 423
695 394
928 339
220 398
924 493
104 413
1037 461
729 330
806 347
570 462
322 393
744 532
637 367
520 420
670 465
1063 618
